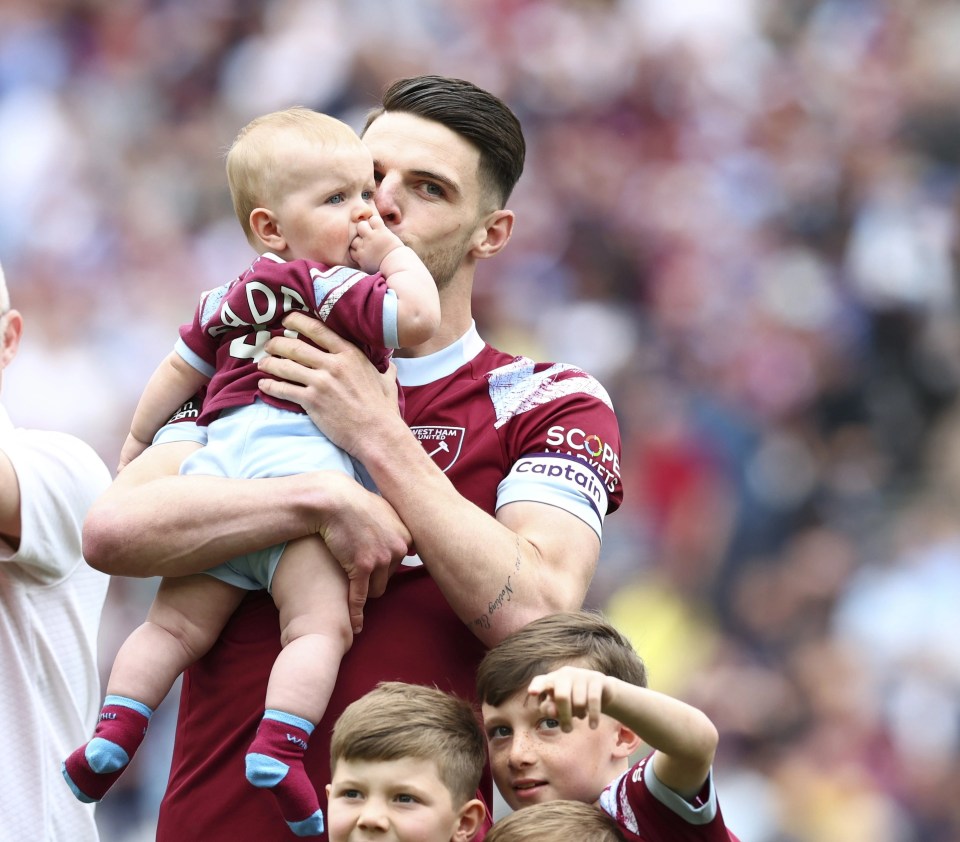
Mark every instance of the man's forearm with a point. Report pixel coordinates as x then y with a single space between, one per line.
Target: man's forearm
149 523
497 573
182 525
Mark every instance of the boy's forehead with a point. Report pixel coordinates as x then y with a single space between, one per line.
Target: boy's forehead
417 773
522 676
516 702
386 769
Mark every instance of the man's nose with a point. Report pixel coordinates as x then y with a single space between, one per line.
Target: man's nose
386 199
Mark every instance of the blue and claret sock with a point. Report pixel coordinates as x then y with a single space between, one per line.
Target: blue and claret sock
275 762
94 767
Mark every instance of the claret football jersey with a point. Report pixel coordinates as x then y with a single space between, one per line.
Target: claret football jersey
502 428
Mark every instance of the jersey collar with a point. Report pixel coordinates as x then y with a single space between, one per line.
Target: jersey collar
418 371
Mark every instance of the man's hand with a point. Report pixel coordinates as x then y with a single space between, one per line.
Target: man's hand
341 391
346 397
369 540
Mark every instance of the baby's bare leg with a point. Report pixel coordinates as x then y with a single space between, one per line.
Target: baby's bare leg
185 619
310 591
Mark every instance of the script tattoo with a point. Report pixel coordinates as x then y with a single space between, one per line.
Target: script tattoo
505 595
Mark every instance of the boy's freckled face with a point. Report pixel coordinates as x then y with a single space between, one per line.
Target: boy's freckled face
533 761
389 801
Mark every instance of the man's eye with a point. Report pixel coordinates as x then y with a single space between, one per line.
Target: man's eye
433 189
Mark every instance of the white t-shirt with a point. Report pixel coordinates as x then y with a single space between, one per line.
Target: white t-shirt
50 605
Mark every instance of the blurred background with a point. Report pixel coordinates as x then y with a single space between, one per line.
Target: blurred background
742 217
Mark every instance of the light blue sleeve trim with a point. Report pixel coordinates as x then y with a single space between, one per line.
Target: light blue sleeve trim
704 814
193 360
557 481
181 431
391 327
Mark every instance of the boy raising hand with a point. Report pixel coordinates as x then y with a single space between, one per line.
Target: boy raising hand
565 705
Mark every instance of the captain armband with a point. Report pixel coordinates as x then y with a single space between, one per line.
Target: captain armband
557 480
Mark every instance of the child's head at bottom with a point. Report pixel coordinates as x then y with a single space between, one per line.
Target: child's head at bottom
532 758
570 820
406 761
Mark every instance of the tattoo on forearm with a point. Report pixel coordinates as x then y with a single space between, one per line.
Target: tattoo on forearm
505 595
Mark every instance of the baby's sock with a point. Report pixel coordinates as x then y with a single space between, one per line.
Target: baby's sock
94 767
275 762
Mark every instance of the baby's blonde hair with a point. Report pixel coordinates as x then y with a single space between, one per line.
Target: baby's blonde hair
255 170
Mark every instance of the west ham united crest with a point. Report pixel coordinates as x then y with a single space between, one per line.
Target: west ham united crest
441 443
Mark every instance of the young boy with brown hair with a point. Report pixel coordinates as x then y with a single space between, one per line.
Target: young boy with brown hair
565 705
406 762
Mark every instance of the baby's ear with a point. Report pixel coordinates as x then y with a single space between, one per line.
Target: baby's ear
264 226
471 818
627 741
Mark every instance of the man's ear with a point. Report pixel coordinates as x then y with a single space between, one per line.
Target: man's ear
627 741
265 227
470 819
495 234
11 325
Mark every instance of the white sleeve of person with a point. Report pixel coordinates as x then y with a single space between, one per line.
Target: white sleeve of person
557 480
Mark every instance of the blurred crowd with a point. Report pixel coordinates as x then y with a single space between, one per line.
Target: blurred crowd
743 217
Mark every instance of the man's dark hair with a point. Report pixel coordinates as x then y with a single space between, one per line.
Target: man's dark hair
473 113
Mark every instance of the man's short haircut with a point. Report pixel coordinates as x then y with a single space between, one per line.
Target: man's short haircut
577 638
399 721
473 113
254 169
568 820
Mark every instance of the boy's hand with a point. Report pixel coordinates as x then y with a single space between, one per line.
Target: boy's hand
568 693
374 241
